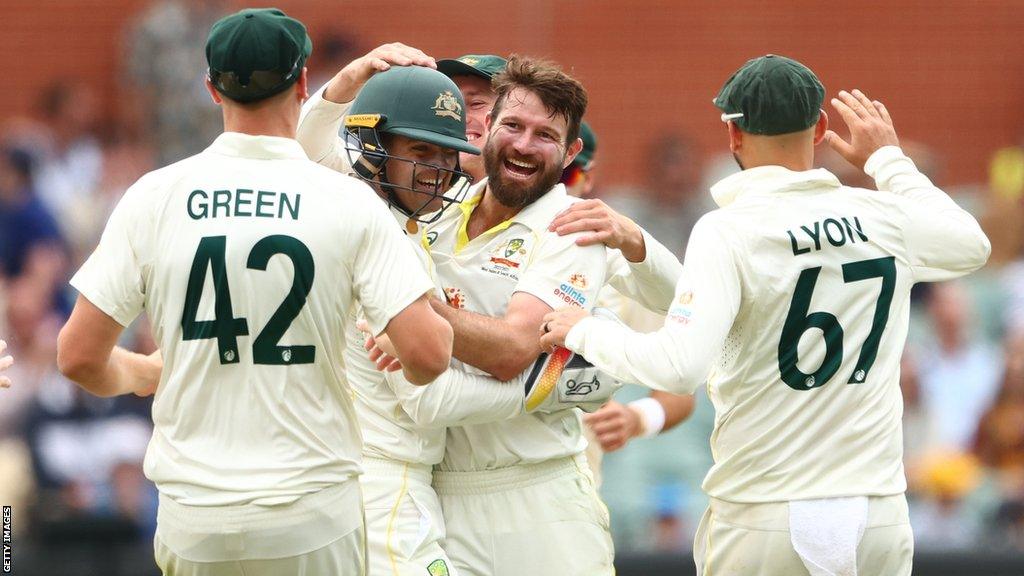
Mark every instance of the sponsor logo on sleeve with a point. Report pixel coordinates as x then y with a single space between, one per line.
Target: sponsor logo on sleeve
571 291
681 311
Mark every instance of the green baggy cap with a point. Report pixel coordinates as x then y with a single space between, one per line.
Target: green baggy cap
256 53
483 65
771 95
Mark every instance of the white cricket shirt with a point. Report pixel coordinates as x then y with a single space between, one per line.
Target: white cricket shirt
481 275
795 299
249 259
399 420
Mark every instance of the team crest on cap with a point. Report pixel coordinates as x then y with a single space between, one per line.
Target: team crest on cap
470 61
447 105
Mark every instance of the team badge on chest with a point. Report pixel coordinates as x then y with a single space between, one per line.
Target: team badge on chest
506 258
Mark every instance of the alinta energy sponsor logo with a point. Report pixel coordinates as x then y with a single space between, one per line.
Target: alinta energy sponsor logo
681 311
571 292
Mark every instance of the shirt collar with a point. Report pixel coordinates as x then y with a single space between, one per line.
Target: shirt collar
257 147
770 179
538 215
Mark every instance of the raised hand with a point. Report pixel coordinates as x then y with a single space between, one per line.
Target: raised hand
346 83
870 127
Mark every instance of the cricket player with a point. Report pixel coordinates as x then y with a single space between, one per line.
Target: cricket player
516 494
249 258
794 297
404 129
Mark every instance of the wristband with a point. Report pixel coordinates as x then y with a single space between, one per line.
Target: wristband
652 415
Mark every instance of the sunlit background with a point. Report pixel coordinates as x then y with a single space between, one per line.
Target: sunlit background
96 93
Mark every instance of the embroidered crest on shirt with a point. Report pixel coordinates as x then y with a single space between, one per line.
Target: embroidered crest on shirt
506 258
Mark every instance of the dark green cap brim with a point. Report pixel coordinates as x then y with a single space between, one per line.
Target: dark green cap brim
435 138
485 66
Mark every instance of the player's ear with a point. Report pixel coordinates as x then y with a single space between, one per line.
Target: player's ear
214 95
820 128
302 86
571 153
735 137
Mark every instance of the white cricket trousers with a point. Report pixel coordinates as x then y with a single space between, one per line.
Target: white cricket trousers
754 540
318 534
404 525
541 519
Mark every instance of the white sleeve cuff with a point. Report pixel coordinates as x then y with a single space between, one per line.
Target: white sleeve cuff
574 339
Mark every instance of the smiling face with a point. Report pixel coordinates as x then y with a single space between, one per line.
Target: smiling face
426 184
526 149
479 97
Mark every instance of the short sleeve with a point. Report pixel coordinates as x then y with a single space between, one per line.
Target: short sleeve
561 273
112 277
388 274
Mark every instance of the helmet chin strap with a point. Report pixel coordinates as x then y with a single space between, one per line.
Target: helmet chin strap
389 188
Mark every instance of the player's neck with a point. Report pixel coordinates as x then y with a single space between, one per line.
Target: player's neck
260 122
488 214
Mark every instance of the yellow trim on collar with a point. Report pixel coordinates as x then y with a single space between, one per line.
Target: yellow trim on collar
467 207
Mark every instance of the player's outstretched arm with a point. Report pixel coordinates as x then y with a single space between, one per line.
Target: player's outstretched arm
616 424
87 355
422 341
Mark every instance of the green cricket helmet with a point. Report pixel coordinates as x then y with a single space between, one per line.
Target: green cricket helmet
418 103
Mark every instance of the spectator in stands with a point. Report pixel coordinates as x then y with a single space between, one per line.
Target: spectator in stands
32 249
163 79
673 199
958 374
1000 445
71 162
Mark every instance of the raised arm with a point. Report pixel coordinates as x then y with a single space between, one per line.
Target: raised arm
943 240
323 113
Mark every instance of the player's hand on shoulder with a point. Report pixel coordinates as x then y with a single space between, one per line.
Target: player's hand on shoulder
606 226
870 127
346 84
614 425
5 363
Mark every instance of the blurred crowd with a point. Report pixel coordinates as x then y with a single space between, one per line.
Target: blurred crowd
73 462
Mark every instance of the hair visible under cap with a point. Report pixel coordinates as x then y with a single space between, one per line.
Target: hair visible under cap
560 93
